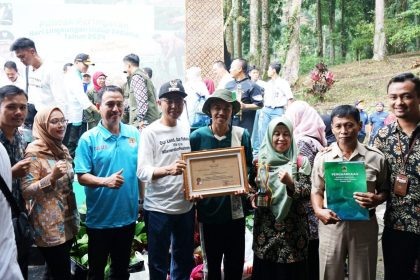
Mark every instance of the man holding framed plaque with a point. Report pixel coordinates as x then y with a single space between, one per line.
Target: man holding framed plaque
339 237
222 218
168 215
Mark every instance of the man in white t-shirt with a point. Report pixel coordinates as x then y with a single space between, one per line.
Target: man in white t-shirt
222 74
9 268
277 95
77 101
44 83
168 215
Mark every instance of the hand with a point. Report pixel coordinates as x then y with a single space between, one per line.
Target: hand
286 179
114 181
59 170
252 198
367 200
177 167
21 168
240 192
195 197
326 216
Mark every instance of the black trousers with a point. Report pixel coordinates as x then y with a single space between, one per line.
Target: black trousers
313 260
400 250
226 240
71 138
58 261
266 270
113 242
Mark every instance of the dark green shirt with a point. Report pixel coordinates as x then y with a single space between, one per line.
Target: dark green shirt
217 210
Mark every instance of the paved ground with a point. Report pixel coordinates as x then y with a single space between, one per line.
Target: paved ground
36 272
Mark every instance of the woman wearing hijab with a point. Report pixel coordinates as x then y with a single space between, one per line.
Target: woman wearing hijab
90 117
281 229
48 190
222 219
309 134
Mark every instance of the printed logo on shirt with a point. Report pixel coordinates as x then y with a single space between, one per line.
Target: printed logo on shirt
101 147
175 144
132 142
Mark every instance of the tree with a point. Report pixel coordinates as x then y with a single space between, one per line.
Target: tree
343 35
253 32
320 51
379 45
228 26
237 11
265 34
291 65
331 25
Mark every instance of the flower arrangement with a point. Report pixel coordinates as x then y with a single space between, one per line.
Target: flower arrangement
322 81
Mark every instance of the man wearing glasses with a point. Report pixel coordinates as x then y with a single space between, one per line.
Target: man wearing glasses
169 217
106 163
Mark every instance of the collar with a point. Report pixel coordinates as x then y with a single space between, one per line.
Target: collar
106 134
6 140
359 150
395 127
244 79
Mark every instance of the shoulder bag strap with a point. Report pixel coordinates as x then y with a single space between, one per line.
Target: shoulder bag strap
9 196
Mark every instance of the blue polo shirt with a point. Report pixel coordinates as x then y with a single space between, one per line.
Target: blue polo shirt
101 154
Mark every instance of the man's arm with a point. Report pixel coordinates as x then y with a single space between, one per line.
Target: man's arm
114 181
326 216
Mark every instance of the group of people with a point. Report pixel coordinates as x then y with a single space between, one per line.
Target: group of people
124 165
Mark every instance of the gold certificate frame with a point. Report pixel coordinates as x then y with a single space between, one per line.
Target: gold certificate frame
215 172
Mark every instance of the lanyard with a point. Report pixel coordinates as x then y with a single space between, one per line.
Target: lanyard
405 157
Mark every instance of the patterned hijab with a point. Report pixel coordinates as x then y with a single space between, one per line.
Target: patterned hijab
277 162
306 122
45 144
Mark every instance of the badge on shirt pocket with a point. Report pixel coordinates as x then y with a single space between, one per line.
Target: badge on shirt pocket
401 185
132 142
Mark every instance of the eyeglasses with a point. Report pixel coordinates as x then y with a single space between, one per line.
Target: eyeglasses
173 101
57 121
112 104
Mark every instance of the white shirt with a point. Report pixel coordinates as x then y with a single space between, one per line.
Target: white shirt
194 90
9 268
277 93
77 99
19 82
224 80
162 145
45 89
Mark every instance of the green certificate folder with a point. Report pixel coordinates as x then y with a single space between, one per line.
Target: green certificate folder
342 179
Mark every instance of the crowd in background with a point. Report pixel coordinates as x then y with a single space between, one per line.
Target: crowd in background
124 143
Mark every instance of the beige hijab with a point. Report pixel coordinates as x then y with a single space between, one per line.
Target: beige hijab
45 144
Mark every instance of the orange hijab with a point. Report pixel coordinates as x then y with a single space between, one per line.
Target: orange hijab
45 144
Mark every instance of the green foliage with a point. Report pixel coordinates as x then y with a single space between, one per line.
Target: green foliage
363 38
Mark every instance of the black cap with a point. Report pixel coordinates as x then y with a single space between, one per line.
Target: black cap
84 58
171 88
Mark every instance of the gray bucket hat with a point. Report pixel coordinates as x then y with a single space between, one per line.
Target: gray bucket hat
224 95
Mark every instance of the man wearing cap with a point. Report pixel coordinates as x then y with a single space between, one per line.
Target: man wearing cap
43 82
106 163
376 121
77 100
364 118
140 93
248 93
169 217
222 217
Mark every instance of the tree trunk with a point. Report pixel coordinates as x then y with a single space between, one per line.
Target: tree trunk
416 23
379 44
320 52
343 32
229 26
254 34
265 35
291 65
331 26
237 6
